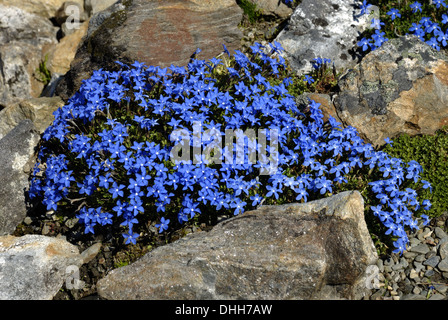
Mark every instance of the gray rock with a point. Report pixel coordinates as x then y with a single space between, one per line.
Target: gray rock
422 248
413 297
410 255
443 265
432 262
317 250
440 233
413 242
437 296
16 162
429 273
443 250
400 87
418 266
326 29
22 38
90 253
441 287
35 267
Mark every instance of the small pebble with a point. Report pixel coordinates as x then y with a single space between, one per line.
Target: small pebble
432 262
437 296
429 273
421 248
443 266
28 221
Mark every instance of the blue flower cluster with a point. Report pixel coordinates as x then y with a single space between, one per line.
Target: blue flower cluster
108 148
428 30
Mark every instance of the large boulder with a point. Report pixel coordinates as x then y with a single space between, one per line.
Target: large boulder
317 250
24 37
325 29
158 33
16 161
402 87
36 267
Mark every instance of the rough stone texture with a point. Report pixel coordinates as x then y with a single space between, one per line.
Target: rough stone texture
44 8
318 250
38 110
273 8
402 87
326 29
62 54
95 6
24 37
157 33
35 267
16 161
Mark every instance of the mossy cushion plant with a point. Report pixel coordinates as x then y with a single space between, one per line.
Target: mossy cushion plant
431 151
108 156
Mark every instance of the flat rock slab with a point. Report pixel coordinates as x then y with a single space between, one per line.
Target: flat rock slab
318 250
157 33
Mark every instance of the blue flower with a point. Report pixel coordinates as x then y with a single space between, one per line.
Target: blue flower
376 23
364 44
433 43
324 185
308 79
163 225
416 6
364 7
115 129
394 13
130 237
439 3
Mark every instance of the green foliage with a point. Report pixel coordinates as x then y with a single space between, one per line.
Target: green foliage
394 28
42 73
431 151
251 11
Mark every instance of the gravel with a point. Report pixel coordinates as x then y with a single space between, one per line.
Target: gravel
421 273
